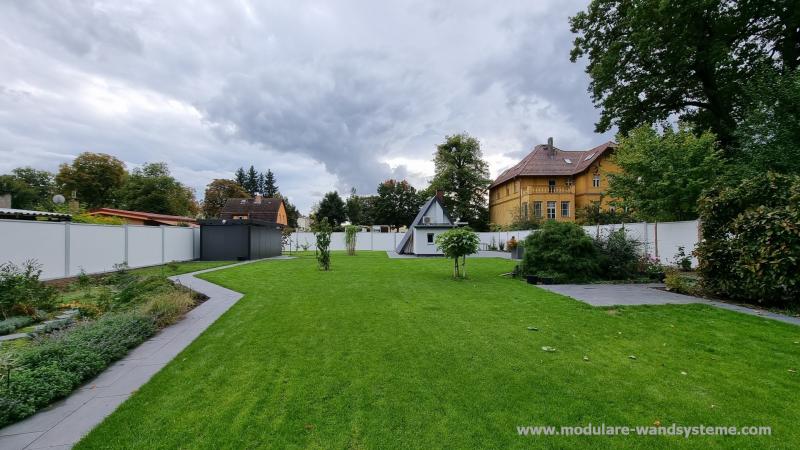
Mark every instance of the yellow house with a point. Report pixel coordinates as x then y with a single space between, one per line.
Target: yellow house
551 183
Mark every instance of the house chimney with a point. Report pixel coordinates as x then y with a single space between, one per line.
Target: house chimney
440 195
257 199
550 147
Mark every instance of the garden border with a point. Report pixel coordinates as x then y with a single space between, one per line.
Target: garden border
64 423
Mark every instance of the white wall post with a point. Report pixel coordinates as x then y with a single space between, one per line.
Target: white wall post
163 245
66 249
125 259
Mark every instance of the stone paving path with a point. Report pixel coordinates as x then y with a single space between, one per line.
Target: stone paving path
649 294
64 423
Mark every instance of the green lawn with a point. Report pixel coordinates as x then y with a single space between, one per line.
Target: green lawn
383 353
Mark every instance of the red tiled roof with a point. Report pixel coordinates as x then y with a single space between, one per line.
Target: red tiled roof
540 163
143 215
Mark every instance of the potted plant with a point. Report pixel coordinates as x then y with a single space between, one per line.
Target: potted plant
513 246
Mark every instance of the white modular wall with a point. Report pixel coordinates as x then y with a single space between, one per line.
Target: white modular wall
660 240
45 242
65 249
95 248
364 241
144 245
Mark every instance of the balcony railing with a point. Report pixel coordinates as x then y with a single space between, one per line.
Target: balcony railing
550 190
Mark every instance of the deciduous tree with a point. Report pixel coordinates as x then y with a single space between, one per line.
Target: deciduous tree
96 177
463 175
650 60
217 193
331 207
663 175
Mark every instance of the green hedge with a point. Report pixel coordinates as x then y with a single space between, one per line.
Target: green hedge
751 240
52 368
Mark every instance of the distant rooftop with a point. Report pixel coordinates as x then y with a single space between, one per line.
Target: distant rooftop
542 162
26 214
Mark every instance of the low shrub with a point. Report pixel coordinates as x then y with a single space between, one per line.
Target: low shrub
11 324
56 364
619 255
563 251
22 292
682 284
167 308
682 260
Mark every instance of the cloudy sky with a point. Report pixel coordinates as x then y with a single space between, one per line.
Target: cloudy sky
328 94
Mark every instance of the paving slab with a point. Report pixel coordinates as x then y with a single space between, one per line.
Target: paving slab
64 423
480 254
650 294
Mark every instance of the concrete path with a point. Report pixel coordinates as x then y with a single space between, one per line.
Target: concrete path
649 294
480 254
64 423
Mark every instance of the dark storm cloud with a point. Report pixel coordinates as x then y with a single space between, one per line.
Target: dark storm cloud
330 95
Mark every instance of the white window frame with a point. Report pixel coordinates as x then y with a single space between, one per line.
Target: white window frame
596 181
551 210
563 204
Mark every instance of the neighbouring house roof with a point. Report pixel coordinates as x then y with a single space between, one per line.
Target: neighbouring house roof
418 223
26 214
540 162
265 209
162 219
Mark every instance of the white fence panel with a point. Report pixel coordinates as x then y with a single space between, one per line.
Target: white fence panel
21 240
672 235
386 241
178 243
95 248
144 246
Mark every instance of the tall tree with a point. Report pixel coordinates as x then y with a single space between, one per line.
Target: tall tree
95 177
270 186
368 209
663 175
251 181
217 193
769 135
353 205
152 188
23 196
650 60
240 177
42 181
261 183
331 207
397 203
29 188
463 175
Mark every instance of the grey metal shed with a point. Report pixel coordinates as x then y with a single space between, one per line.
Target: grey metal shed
225 240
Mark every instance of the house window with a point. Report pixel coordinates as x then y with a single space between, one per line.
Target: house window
596 181
551 185
551 210
537 210
524 210
569 182
430 238
564 209
612 209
